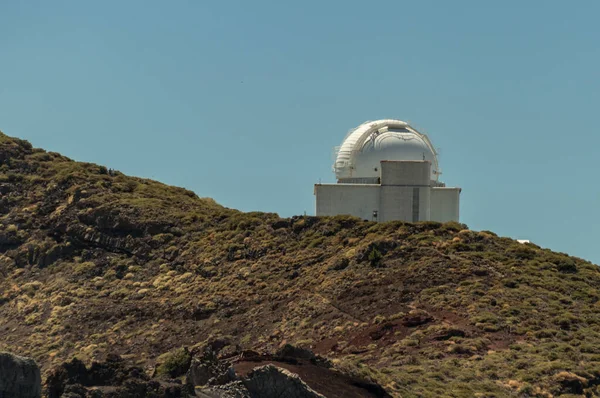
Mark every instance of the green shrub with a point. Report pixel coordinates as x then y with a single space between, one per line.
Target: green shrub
375 257
546 333
566 266
521 251
174 363
316 242
453 226
85 268
486 317
460 247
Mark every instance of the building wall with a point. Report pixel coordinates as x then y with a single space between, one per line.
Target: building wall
359 200
445 204
414 173
404 203
405 191
405 194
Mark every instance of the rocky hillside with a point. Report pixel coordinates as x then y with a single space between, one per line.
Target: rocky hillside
95 263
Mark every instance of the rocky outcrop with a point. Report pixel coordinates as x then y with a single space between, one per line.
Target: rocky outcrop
109 379
235 389
270 381
81 234
292 372
19 377
267 381
290 353
208 370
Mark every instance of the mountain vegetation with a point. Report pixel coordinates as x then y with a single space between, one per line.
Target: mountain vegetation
95 263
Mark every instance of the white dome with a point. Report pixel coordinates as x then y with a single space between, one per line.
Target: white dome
367 145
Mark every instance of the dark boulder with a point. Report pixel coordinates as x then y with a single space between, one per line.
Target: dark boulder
19 377
273 382
207 369
290 351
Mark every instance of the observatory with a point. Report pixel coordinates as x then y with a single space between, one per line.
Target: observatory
386 170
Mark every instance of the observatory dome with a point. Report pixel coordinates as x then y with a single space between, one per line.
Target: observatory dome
367 145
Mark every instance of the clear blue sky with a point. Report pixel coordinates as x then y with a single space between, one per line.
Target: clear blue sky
243 101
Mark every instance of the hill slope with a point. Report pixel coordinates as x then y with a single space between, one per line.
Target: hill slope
94 262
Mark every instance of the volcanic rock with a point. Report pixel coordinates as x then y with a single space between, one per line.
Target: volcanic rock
19 377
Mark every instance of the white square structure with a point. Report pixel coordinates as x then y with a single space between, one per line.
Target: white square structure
386 170
404 193
445 204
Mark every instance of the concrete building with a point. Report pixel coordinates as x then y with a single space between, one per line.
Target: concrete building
386 170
